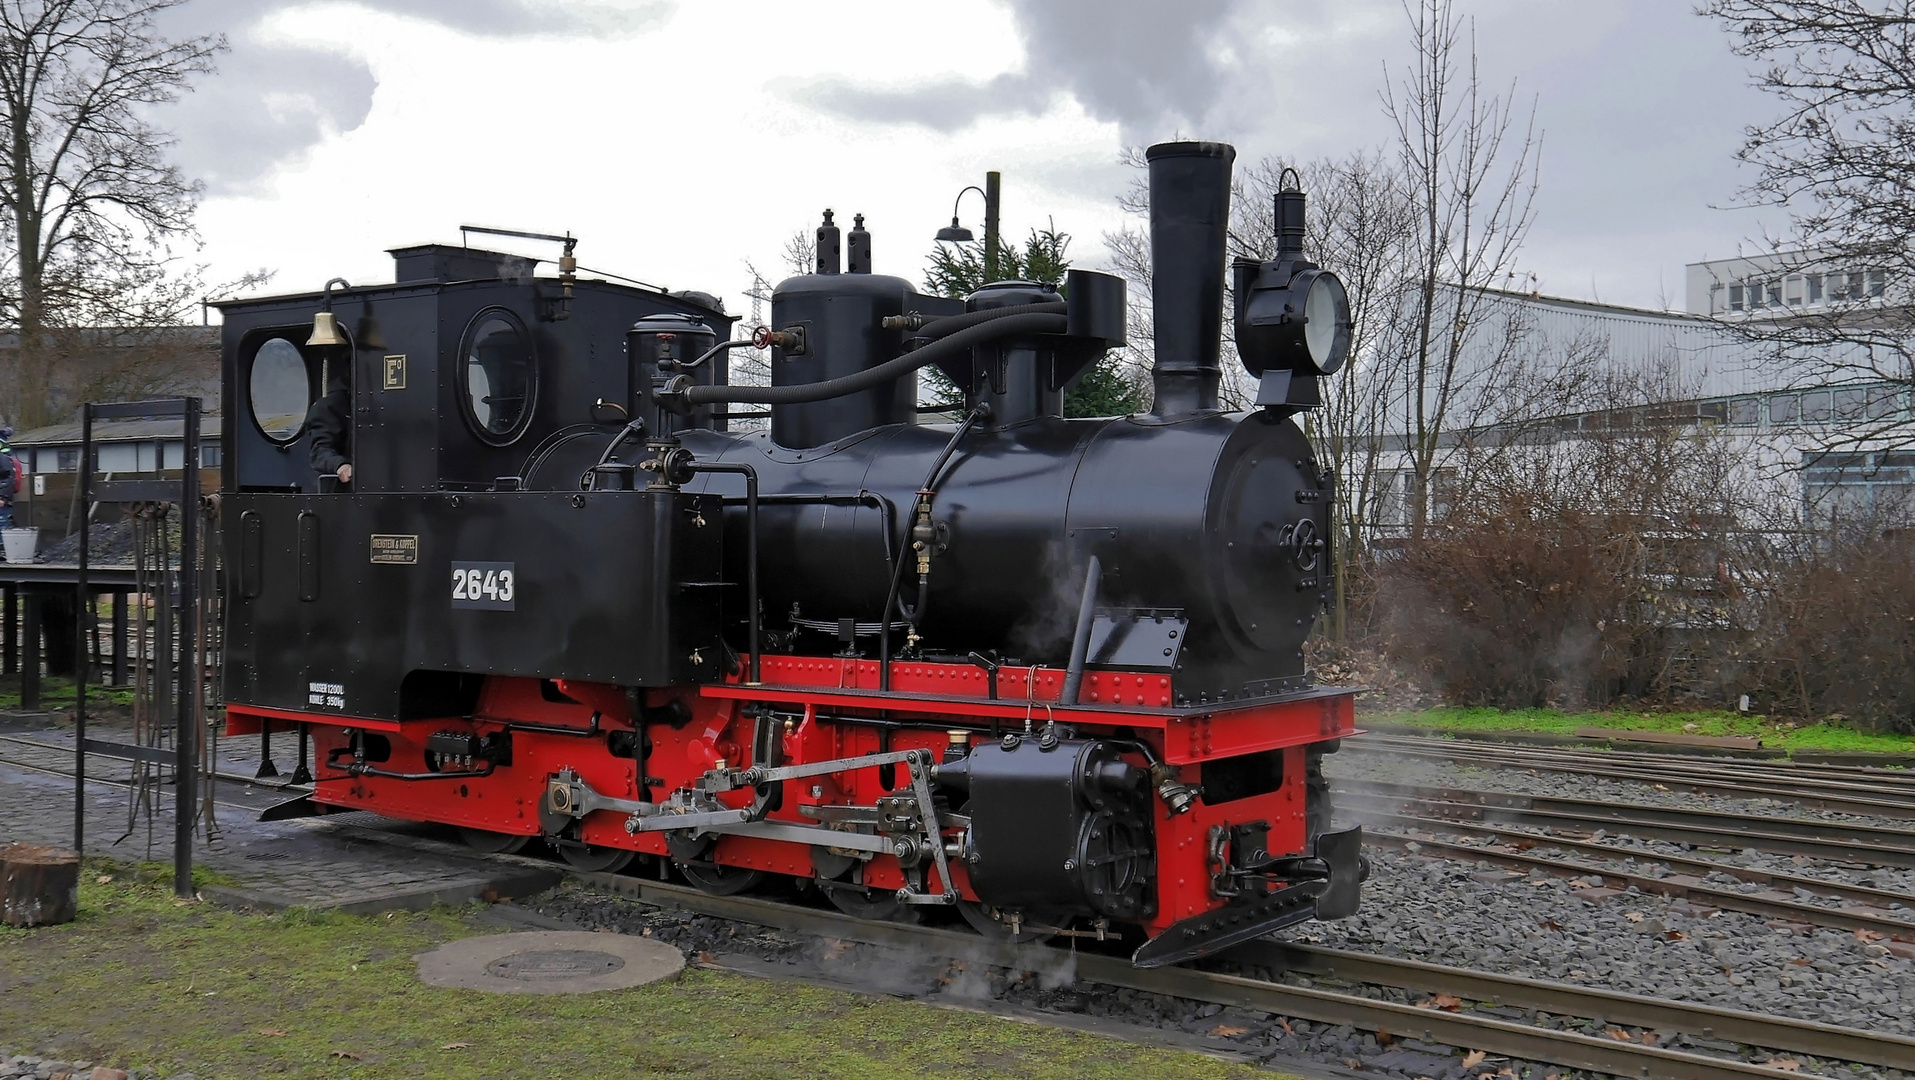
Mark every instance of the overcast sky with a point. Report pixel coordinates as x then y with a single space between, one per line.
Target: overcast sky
679 139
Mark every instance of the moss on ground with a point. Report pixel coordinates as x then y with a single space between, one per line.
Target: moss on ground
56 693
1828 736
145 980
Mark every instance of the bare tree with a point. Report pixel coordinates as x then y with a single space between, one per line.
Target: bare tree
1472 174
752 367
90 201
1837 160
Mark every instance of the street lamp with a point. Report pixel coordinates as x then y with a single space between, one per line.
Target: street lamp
958 234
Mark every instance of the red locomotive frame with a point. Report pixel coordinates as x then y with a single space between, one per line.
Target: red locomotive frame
830 710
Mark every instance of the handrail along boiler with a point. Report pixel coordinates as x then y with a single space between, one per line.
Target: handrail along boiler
1045 673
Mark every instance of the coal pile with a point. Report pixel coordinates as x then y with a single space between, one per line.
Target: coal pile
109 543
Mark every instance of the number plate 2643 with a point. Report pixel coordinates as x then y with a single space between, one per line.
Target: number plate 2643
488 586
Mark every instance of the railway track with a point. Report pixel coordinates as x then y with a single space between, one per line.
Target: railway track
1784 769
56 759
1462 1028
1864 792
1767 904
1778 769
1838 842
1347 1005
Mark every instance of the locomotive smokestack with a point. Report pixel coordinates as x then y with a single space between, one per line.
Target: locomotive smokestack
1189 215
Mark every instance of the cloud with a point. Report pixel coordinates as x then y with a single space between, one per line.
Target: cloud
271 101
1145 65
514 18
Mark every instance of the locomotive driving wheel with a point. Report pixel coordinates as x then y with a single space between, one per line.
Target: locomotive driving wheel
593 859
561 831
715 880
872 905
492 843
996 923
691 853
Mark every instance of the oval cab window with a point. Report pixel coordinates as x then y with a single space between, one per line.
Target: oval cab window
499 376
280 389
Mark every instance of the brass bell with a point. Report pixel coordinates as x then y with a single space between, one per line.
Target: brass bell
326 330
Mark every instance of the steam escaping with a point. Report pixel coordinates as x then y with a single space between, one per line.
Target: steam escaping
1148 67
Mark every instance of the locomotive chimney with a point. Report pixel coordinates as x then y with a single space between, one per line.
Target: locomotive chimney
1189 215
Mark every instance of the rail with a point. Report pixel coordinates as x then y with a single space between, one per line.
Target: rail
1841 842
1863 798
1461 1029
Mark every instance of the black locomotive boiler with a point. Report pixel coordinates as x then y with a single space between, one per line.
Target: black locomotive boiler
1044 672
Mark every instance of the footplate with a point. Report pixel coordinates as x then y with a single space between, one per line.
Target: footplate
1253 916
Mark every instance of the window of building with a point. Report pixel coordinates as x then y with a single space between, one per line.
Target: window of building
1817 408
68 460
1883 402
1858 488
1445 486
1792 290
499 377
1756 300
1877 283
1745 412
1785 409
1850 403
209 455
1735 296
149 457
1814 283
117 457
1391 506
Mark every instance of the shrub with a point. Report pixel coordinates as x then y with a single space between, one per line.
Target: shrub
1836 631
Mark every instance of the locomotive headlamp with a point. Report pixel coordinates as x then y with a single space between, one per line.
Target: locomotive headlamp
1293 317
1326 320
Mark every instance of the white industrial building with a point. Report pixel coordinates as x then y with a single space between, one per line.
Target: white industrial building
1832 427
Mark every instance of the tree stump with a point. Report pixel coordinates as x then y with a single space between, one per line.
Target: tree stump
39 885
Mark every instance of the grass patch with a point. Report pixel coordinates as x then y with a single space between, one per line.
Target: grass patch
1774 733
56 692
147 981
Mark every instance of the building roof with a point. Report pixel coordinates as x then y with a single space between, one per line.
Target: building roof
106 431
130 337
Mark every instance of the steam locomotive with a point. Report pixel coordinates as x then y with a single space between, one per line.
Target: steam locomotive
1044 673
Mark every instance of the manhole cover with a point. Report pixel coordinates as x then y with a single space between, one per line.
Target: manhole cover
554 964
549 962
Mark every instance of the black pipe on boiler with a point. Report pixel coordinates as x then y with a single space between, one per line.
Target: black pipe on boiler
1080 639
